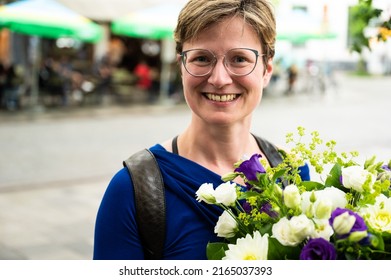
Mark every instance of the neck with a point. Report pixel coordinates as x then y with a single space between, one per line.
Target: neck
217 149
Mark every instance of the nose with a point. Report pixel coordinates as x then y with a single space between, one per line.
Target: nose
219 76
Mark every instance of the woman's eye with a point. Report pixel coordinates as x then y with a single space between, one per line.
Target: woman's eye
239 59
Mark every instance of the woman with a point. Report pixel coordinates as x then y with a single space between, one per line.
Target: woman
225 50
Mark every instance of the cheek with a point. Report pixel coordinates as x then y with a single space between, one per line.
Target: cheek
191 84
256 83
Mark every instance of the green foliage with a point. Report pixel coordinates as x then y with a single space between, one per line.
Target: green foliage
216 251
280 252
360 17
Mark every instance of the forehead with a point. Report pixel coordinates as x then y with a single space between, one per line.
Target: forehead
226 34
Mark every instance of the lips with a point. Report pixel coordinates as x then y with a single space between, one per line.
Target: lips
221 97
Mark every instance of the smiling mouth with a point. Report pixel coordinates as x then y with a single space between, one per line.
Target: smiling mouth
221 97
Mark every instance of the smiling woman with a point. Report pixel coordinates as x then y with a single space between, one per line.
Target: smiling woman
225 50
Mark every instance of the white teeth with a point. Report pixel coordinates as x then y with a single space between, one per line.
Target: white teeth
221 98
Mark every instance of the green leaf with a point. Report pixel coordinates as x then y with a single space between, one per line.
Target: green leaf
311 185
333 179
247 194
279 252
216 250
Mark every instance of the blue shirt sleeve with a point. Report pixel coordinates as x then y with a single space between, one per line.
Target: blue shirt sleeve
116 233
305 172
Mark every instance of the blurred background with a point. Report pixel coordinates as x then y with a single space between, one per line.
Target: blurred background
86 83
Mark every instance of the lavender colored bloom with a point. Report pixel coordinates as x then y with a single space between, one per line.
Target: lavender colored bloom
267 208
246 207
251 167
318 249
359 225
386 167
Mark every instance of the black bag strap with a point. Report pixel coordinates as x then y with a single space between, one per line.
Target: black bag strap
271 152
150 202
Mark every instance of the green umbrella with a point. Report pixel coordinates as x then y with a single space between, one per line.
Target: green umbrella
48 19
157 22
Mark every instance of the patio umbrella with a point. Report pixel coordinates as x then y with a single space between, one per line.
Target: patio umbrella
156 22
298 27
48 19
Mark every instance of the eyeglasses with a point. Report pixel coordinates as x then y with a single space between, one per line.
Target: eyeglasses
238 61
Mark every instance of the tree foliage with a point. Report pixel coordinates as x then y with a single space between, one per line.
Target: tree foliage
363 15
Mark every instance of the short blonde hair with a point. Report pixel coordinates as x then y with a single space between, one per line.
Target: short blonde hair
197 15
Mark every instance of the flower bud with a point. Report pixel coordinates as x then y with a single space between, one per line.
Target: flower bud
323 209
292 196
313 197
229 176
277 189
374 241
356 236
226 226
205 193
343 223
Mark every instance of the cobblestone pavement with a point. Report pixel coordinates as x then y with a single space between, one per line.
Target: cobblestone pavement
55 165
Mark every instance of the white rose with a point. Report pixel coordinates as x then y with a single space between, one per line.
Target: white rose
292 196
226 226
323 229
205 193
301 226
292 232
282 232
326 201
226 194
354 177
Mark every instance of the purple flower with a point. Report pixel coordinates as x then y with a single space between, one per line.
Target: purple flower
359 224
267 208
247 207
251 167
318 249
386 167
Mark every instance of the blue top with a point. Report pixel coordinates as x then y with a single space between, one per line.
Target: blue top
189 224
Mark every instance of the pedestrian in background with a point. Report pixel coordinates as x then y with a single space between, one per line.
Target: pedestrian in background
292 78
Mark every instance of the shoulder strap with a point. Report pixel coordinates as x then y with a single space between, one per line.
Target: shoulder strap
150 201
271 152
174 145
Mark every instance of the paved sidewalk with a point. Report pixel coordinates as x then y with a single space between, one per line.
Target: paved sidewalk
55 166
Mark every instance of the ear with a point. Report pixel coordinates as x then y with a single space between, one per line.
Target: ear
268 72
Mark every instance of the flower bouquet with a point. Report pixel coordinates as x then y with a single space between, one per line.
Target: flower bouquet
274 214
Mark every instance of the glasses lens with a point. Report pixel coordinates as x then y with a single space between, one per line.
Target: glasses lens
241 62
198 62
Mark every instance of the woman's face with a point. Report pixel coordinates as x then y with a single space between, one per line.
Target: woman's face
241 94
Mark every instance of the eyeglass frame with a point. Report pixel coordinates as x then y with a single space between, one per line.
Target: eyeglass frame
183 54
